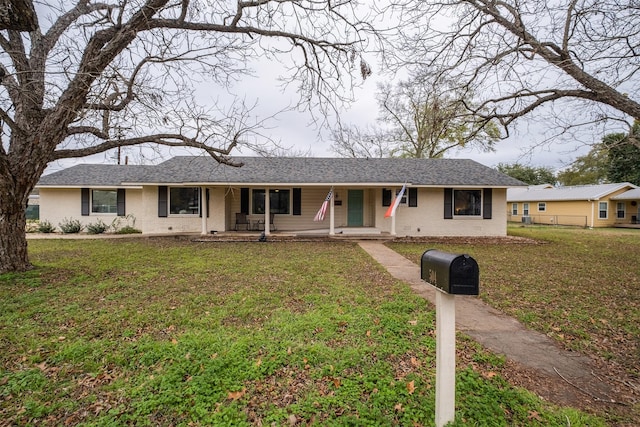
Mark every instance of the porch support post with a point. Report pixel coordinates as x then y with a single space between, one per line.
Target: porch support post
393 217
204 208
393 225
332 231
267 210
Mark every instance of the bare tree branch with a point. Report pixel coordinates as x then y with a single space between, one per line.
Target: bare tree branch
94 76
522 56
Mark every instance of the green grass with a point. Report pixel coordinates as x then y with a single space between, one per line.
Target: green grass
579 286
168 332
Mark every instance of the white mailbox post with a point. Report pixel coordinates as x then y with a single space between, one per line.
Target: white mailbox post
451 275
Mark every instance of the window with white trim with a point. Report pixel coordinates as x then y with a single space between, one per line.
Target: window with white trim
621 210
542 206
184 201
514 209
279 201
467 202
104 201
525 209
603 210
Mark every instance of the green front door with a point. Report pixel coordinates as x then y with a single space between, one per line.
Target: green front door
355 208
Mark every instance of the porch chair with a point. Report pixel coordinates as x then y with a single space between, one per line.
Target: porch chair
241 219
272 226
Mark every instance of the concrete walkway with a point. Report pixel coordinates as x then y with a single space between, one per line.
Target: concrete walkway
505 335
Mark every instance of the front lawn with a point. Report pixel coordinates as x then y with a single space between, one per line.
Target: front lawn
170 332
578 286
581 287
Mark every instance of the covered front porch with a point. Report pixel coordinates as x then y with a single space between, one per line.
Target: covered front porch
627 209
295 210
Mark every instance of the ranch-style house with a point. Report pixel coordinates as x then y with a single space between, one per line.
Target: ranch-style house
600 205
196 194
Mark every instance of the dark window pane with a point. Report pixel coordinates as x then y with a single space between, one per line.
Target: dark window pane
184 200
257 202
467 202
279 201
104 201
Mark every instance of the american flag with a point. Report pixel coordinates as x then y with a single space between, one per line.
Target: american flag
392 209
323 209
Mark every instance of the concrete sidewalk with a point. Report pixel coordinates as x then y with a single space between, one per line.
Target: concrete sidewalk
504 335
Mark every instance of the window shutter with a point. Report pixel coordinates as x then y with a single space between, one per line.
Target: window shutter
487 202
297 201
244 201
163 199
120 203
413 197
208 193
448 203
386 197
200 201
84 201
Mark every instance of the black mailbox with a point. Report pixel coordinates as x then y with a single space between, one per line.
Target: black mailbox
454 274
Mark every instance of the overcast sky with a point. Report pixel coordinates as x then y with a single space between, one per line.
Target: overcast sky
297 130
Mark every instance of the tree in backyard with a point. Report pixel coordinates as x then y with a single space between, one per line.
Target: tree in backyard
528 174
418 118
579 57
94 76
623 156
588 169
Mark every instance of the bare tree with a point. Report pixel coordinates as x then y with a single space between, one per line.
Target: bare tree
356 142
420 118
102 75
580 56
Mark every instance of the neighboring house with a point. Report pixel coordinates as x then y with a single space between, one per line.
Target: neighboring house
444 197
602 205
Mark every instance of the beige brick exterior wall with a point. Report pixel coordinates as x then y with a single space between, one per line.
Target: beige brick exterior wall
425 220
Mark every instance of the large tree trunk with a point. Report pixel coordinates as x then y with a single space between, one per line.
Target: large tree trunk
13 240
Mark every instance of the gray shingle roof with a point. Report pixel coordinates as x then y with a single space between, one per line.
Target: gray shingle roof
94 175
289 170
578 192
633 194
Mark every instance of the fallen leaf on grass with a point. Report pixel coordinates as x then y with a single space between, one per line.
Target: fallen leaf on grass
235 395
411 387
489 375
534 415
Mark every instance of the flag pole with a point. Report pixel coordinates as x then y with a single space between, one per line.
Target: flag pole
391 212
